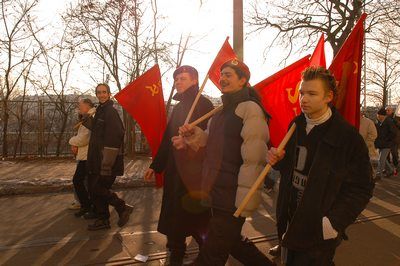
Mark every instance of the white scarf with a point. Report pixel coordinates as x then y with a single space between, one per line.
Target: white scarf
311 123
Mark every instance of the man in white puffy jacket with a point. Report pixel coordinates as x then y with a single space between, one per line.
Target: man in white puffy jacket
235 146
79 146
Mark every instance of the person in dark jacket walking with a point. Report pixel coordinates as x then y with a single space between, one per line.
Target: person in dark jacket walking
181 213
106 160
326 176
394 150
235 146
384 142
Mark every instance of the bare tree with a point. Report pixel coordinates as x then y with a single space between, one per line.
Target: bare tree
115 32
18 50
57 58
300 23
21 112
383 68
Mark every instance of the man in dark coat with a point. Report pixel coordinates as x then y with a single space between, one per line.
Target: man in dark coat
181 213
106 160
326 176
384 142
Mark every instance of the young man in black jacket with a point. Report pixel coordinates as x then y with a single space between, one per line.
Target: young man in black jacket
326 176
106 160
181 213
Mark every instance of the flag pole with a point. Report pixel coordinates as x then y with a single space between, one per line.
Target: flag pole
196 99
262 175
206 116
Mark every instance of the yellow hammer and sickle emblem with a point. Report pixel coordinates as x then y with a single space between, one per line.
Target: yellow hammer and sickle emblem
153 89
342 84
295 97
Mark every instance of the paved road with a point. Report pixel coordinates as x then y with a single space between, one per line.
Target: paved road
39 230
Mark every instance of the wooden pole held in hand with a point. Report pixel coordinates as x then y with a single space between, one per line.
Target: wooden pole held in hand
263 173
196 100
206 116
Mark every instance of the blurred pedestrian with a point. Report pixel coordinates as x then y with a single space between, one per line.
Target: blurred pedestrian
394 150
384 142
369 133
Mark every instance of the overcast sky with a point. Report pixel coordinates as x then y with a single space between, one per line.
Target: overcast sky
213 21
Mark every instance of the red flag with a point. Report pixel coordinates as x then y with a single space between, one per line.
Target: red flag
280 97
346 67
225 53
318 57
143 99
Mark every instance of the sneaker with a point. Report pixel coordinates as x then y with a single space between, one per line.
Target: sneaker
90 215
124 215
81 212
389 173
395 172
275 251
99 224
74 206
268 190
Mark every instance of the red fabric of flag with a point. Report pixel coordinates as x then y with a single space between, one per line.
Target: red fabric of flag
143 99
318 57
346 67
280 97
225 53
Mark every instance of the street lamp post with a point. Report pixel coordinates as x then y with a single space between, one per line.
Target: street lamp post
238 28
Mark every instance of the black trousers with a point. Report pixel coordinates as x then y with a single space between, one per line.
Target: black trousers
79 179
394 150
318 257
176 244
224 238
102 196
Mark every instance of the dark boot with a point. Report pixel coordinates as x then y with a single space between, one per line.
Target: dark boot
247 253
81 212
175 258
124 215
99 224
91 214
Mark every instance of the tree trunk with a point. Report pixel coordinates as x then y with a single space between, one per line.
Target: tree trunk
18 141
60 137
5 127
129 135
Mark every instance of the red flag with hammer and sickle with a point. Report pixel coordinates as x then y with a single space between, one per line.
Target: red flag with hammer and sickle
318 57
143 99
225 53
280 97
346 67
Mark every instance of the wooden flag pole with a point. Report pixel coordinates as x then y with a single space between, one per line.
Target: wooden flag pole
262 175
196 100
206 116
77 125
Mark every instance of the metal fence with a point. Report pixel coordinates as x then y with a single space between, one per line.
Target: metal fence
43 128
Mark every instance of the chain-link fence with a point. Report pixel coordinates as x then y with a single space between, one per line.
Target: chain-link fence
43 128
